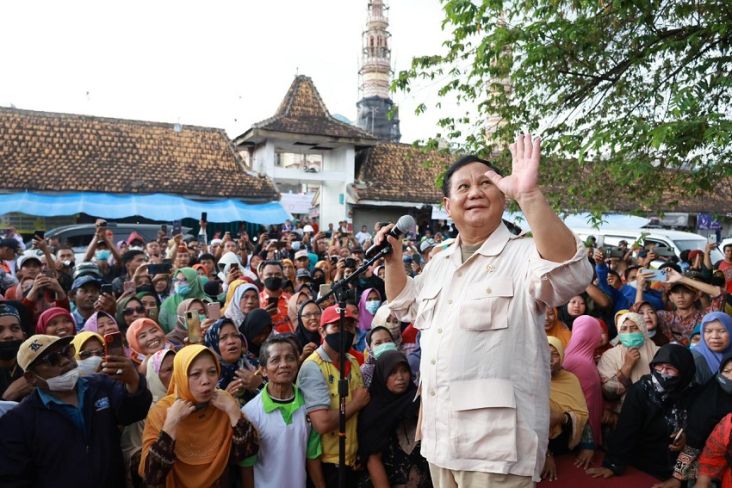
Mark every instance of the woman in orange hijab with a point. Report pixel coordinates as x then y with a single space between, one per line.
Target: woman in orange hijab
189 434
555 327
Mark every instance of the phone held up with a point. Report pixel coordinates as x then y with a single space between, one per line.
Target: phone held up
193 323
213 310
113 344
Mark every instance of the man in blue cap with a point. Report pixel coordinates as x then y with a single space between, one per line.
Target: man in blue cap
85 291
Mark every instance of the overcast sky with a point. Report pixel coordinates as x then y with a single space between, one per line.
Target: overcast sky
212 63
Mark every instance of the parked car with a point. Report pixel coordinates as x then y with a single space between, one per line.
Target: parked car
78 236
672 240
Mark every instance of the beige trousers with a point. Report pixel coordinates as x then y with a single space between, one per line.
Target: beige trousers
447 478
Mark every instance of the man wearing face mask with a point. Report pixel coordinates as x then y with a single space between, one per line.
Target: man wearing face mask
13 386
318 381
83 412
273 298
103 251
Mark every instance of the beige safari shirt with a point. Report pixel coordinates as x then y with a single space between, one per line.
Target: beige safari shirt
485 363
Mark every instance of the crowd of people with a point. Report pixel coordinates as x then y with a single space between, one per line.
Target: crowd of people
180 363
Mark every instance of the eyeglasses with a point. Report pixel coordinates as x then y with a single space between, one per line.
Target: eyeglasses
313 315
90 353
130 311
55 358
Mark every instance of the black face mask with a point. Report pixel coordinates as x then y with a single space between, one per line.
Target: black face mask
145 289
724 383
669 384
334 340
319 281
9 349
273 283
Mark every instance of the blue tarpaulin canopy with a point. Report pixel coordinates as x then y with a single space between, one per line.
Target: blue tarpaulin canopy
157 206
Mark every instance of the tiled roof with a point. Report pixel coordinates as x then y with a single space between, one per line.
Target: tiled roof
403 173
302 111
75 153
400 173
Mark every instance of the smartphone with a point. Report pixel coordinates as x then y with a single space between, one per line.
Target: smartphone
154 269
129 286
324 290
655 275
664 252
113 344
213 310
168 263
152 312
107 289
39 234
678 435
193 324
272 301
177 227
204 216
102 223
712 238
201 238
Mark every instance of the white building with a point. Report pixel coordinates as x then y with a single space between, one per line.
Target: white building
304 149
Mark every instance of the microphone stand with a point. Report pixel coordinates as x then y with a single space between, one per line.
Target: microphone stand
340 289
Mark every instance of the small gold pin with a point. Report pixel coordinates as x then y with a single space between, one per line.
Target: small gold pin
490 268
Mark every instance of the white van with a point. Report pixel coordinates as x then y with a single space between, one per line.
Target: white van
675 240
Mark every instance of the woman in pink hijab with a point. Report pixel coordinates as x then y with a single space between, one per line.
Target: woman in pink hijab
579 360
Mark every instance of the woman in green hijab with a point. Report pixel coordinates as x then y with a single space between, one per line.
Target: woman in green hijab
186 285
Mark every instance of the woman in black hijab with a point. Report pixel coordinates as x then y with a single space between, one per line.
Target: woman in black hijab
712 404
306 334
386 427
257 326
649 433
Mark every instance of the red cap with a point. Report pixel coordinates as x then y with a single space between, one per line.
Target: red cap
332 314
135 236
694 253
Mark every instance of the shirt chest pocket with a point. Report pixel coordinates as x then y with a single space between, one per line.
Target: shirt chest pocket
485 306
426 302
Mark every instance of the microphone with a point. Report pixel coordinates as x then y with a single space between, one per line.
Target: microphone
406 223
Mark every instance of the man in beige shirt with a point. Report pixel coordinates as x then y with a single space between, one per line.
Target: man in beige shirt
480 308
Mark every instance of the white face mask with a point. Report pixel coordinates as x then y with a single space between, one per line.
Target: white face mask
89 366
64 382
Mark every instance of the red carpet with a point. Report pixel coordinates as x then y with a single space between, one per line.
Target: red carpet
569 476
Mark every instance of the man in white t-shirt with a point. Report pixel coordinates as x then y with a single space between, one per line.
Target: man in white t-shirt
287 441
364 235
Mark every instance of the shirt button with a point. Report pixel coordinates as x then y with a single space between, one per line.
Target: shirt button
432 392
487 290
459 274
449 302
439 331
434 361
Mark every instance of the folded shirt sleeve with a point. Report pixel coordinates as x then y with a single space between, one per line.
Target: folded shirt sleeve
555 283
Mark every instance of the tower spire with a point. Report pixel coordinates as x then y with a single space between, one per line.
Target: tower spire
376 112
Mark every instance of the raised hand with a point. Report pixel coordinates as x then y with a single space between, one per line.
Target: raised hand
179 410
524 177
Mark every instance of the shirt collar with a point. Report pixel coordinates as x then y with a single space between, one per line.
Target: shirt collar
270 405
492 246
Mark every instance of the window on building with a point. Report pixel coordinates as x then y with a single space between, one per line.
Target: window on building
308 162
